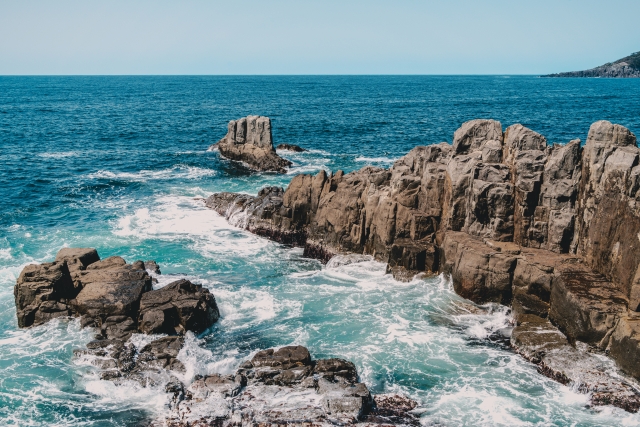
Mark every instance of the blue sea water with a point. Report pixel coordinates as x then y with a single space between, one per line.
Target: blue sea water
119 164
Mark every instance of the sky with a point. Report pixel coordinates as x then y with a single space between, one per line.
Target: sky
314 37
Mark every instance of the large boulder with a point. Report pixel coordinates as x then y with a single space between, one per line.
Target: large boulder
176 308
249 140
42 292
111 288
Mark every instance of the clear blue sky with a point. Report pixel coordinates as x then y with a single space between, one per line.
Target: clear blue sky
314 37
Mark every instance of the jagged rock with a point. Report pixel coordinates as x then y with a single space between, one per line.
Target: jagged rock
42 292
551 229
585 305
121 360
481 272
152 266
111 288
543 344
161 354
608 218
249 140
285 386
393 409
176 308
290 147
78 259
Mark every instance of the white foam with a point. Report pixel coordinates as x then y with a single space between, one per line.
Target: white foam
58 155
176 172
375 159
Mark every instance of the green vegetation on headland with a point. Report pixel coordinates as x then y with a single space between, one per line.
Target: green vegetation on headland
629 66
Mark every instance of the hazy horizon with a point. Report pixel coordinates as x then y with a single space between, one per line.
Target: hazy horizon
246 37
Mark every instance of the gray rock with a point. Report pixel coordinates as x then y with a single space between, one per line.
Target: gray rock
249 140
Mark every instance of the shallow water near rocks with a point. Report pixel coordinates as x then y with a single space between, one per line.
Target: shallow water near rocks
120 164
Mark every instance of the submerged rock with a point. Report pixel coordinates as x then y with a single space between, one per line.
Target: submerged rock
249 140
290 147
543 344
287 387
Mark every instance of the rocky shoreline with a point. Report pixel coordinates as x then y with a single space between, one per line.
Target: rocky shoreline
551 230
627 67
282 386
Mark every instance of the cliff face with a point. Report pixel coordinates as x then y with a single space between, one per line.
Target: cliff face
552 230
628 66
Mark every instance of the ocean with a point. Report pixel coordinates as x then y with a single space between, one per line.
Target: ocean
121 164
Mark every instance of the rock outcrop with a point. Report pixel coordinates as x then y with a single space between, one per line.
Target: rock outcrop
286 387
111 295
629 66
550 229
249 140
290 147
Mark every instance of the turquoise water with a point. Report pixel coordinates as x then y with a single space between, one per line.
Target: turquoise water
119 163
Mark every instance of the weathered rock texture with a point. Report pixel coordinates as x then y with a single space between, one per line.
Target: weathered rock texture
551 229
111 295
249 140
286 387
628 66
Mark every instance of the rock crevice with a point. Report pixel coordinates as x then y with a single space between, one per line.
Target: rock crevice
550 229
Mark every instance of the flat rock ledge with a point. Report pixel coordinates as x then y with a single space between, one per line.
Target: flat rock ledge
551 230
286 387
249 140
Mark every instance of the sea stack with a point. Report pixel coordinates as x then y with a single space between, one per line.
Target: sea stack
249 140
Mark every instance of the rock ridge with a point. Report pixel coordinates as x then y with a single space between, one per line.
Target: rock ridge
551 230
626 67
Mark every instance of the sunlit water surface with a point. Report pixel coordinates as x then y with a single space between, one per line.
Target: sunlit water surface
120 163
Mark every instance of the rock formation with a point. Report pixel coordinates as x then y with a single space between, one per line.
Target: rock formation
249 140
111 295
550 229
629 66
290 147
286 387
282 386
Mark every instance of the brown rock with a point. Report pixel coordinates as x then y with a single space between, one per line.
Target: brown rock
176 308
249 140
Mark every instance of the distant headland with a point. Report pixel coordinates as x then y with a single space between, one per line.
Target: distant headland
629 66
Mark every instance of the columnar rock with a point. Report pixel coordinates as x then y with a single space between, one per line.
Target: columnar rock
249 140
608 220
551 229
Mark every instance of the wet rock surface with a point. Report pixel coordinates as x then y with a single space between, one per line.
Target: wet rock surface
550 229
111 295
290 147
117 300
287 387
249 140
588 372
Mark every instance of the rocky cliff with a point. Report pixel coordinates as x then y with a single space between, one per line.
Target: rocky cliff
249 140
629 66
552 230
